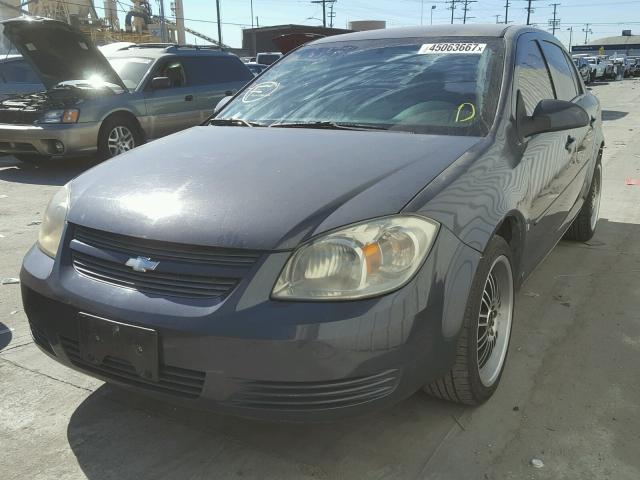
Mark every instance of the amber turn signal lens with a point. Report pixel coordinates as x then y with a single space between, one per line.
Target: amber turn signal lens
70 116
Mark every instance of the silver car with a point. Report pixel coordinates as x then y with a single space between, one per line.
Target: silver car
107 105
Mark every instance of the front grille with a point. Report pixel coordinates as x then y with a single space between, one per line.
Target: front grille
19 116
40 338
183 271
165 250
175 381
315 395
151 282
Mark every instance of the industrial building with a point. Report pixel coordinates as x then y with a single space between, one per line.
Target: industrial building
255 40
626 44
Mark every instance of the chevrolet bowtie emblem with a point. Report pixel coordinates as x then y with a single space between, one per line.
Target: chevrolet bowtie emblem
142 264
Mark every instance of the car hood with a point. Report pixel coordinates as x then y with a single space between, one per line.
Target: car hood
57 51
258 188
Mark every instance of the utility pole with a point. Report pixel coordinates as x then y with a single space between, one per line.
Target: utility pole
452 8
497 18
433 7
556 21
163 33
324 9
506 12
331 14
529 11
465 9
219 24
251 13
586 31
570 30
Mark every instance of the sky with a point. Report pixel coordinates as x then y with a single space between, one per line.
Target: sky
607 17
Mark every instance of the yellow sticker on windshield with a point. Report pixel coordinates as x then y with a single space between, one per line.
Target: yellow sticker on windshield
445 48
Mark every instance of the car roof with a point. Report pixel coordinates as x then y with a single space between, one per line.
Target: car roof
457 30
167 50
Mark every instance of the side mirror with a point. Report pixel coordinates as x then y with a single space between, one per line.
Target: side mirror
221 104
550 116
158 83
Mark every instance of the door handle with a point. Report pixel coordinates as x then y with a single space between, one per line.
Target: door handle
570 141
188 98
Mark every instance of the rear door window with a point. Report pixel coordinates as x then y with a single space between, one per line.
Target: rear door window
209 70
532 75
18 71
561 72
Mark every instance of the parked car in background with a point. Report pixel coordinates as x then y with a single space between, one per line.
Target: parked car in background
598 68
350 228
267 58
17 77
635 67
256 68
584 69
94 104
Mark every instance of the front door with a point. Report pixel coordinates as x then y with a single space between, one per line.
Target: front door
174 108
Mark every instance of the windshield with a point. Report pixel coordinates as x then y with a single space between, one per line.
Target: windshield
130 69
428 85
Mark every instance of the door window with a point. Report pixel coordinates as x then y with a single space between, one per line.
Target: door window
175 71
209 70
532 76
18 71
561 72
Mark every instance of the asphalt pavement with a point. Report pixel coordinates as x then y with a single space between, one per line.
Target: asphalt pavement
569 399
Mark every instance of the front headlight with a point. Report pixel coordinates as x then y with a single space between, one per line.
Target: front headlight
61 116
362 260
53 222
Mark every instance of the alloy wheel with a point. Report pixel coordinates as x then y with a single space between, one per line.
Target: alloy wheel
494 322
120 140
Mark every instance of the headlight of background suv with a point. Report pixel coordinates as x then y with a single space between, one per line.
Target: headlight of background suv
361 260
60 116
53 222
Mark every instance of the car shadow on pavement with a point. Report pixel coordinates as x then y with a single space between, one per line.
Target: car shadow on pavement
55 172
609 115
117 434
5 336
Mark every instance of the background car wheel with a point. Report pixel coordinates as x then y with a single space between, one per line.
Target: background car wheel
584 226
484 340
31 159
118 134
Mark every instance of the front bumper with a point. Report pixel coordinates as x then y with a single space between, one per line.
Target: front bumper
77 139
252 356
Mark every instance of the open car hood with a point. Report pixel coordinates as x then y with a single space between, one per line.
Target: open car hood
57 51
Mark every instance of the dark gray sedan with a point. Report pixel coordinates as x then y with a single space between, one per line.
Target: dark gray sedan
350 228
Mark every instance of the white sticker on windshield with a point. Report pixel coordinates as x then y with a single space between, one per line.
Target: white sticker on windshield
442 48
31 47
259 91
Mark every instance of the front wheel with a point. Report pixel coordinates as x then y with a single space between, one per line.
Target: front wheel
584 226
118 135
484 339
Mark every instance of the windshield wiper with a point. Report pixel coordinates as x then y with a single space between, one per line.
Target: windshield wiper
331 125
234 122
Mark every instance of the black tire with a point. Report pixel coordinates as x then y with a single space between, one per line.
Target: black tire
107 129
31 159
463 383
584 225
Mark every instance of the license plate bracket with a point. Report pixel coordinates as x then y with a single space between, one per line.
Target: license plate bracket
101 338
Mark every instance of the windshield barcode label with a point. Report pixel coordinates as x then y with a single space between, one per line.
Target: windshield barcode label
442 48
